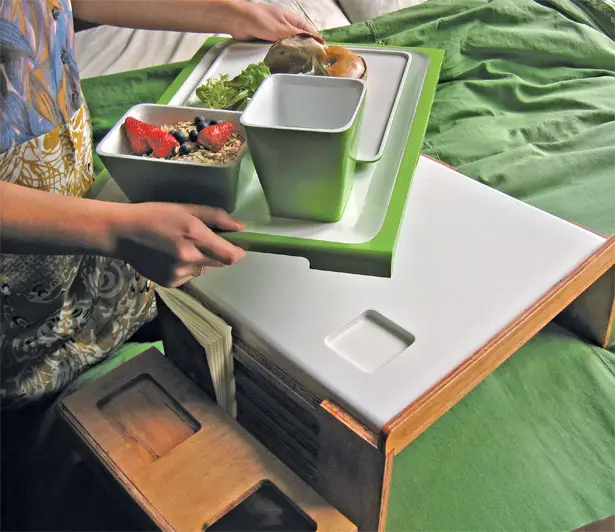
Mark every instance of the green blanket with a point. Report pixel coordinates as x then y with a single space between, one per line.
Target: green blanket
525 104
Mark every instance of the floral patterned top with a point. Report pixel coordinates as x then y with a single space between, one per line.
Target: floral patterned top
59 315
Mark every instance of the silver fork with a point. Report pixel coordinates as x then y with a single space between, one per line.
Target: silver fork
305 13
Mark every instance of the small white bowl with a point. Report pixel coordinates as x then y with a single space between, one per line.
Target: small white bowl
302 133
145 179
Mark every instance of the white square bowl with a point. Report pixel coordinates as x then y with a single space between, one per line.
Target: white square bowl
302 133
144 179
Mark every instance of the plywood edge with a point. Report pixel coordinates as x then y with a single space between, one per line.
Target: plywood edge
349 421
438 161
610 331
386 490
588 229
98 452
415 419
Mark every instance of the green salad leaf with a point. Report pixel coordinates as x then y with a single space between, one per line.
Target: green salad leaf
216 93
233 94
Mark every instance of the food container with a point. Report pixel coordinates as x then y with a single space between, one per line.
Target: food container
302 134
144 179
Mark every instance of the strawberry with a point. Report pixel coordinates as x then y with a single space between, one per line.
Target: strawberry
161 142
144 137
216 136
136 133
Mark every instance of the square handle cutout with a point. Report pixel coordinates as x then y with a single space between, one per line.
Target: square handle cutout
265 509
148 418
369 341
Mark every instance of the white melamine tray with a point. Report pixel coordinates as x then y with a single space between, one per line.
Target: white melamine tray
387 73
469 261
396 77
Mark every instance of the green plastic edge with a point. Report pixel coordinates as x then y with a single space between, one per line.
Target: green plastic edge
373 257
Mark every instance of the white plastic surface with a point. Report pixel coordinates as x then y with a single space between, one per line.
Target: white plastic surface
469 260
310 103
373 183
387 69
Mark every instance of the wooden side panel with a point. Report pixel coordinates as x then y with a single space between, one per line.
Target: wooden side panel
335 454
386 490
352 467
591 315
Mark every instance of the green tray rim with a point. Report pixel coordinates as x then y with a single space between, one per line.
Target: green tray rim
373 257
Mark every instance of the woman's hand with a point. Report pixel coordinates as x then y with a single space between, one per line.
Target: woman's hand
265 22
170 243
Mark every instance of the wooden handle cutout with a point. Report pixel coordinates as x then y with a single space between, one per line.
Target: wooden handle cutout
148 418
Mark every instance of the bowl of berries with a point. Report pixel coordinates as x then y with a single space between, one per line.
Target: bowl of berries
176 154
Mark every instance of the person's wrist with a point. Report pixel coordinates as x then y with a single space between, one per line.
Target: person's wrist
228 15
118 223
240 14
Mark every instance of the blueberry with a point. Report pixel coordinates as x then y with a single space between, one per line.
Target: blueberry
198 119
179 136
200 126
214 122
193 135
185 149
149 151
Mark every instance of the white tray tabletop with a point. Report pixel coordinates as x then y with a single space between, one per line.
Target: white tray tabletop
469 259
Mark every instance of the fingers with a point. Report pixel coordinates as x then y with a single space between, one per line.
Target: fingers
181 281
303 25
186 273
217 218
221 251
294 24
210 246
208 263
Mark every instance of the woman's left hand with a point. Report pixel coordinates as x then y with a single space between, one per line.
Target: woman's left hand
265 22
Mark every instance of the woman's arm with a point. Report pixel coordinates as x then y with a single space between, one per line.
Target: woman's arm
36 222
167 243
240 18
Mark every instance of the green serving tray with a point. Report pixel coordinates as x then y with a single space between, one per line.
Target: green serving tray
373 256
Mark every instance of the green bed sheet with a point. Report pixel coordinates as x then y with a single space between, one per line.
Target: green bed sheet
525 104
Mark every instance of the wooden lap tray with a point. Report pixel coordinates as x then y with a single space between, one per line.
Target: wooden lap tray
186 463
477 275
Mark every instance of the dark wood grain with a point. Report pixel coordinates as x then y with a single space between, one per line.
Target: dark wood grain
604 525
197 481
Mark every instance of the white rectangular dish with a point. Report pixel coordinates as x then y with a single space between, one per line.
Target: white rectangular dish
387 74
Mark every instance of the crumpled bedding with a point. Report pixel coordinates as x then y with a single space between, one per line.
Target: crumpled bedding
526 98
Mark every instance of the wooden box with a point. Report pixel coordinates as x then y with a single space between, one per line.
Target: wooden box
154 424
